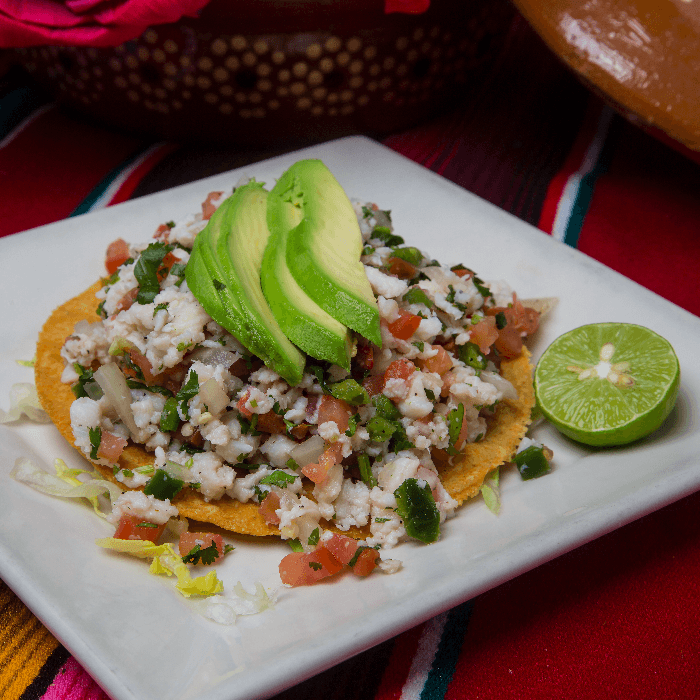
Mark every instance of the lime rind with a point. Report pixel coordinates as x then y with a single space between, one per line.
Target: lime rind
607 409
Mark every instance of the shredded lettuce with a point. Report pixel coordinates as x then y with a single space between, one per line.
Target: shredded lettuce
166 562
24 400
225 610
64 482
491 492
27 363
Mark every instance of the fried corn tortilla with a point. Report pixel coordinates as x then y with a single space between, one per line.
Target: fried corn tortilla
462 475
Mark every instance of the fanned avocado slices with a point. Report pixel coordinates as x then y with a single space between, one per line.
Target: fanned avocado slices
304 322
324 249
224 275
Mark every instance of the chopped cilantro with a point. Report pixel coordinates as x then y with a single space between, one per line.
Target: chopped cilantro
146 271
279 478
382 520
419 344
295 545
367 213
95 441
85 378
451 296
160 307
291 464
415 295
197 555
501 320
153 388
217 284
356 556
430 394
367 250
366 470
380 429
352 425
384 234
248 426
317 371
410 254
178 270
315 565
481 287
399 440
151 525
314 538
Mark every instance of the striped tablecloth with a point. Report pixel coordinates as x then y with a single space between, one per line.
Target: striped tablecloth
618 617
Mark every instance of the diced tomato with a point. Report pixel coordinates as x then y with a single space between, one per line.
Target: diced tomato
464 273
363 361
318 472
189 540
142 362
117 254
509 342
241 405
439 363
168 261
484 334
111 446
366 562
132 528
267 508
401 268
126 302
162 233
374 385
399 369
342 547
299 432
304 568
271 423
336 410
405 325
523 318
208 207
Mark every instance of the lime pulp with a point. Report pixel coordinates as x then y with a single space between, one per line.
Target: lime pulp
607 383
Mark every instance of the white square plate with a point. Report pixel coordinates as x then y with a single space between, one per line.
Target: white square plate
139 639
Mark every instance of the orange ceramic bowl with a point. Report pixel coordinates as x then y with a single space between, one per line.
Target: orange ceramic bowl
270 72
643 56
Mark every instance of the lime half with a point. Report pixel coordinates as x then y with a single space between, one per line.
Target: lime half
607 383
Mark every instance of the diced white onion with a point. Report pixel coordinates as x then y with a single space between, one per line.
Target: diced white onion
214 356
308 451
176 471
501 383
117 393
213 396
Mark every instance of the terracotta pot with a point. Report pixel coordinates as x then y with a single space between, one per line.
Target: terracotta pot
643 56
269 72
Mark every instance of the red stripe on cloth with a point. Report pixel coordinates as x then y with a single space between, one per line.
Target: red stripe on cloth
48 168
570 166
138 173
643 218
616 618
394 678
73 683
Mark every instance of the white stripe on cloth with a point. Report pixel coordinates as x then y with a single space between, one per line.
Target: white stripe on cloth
105 199
24 124
423 660
569 195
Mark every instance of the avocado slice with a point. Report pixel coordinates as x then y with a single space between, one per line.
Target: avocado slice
224 275
303 321
324 249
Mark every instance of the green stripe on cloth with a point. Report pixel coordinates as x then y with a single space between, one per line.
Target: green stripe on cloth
106 181
584 195
448 652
